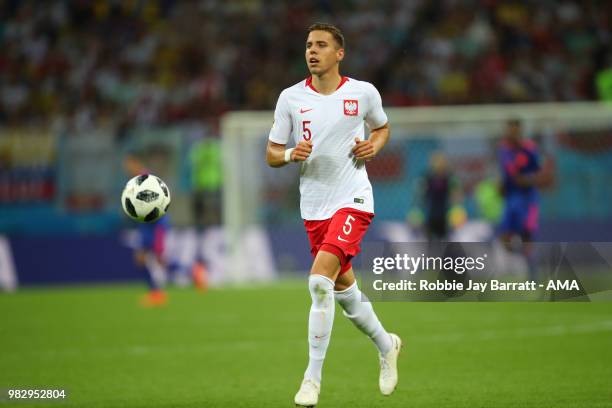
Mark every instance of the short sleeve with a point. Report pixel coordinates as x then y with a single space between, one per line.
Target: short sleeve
375 116
282 126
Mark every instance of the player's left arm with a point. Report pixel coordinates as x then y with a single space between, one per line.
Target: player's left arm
369 148
377 121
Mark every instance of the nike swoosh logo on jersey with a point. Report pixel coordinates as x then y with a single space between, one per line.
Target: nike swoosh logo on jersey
342 239
305 110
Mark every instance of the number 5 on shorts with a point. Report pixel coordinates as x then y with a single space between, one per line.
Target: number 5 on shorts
348 227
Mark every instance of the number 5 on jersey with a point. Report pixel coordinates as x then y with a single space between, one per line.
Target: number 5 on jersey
307 135
347 228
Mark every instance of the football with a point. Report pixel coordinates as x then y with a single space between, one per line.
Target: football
145 198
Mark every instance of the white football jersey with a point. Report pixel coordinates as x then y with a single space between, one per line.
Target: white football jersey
330 178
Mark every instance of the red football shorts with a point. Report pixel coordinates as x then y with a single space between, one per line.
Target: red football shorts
341 234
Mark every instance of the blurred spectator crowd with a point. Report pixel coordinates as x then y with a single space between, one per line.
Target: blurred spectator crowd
138 62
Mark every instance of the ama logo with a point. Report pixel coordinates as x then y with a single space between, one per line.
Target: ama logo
351 107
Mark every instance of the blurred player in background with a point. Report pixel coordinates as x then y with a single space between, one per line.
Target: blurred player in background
149 253
324 116
442 196
207 181
522 174
440 190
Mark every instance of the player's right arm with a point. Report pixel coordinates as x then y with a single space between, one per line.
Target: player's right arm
277 155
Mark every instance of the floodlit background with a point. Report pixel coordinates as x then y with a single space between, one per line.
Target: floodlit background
84 83
189 86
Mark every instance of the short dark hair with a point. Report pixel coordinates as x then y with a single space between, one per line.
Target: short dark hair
330 28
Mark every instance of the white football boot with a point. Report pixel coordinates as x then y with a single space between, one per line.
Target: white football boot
388 366
308 394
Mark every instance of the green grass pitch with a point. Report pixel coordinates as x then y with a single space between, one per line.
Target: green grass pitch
248 348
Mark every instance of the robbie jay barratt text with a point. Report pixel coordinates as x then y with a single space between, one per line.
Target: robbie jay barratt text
493 285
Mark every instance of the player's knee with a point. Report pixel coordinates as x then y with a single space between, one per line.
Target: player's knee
321 290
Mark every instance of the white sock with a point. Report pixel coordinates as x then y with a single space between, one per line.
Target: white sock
359 310
320 323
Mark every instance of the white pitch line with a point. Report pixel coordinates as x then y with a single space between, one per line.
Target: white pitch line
245 345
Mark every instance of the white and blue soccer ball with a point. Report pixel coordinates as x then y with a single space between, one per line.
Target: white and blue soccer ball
145 198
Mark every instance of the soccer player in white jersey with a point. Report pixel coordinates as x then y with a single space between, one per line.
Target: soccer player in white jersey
323 118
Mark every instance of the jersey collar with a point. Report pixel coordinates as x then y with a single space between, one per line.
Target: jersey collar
309 84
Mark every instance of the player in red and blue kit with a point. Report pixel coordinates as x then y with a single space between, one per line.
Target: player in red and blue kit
149 250
149 256
521 170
